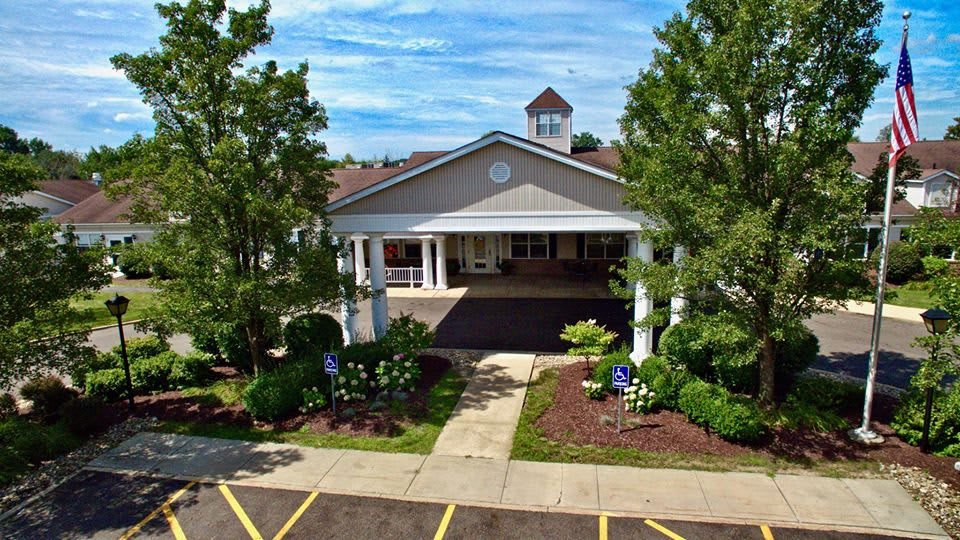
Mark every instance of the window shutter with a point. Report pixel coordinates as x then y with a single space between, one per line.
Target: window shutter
581 246
552 250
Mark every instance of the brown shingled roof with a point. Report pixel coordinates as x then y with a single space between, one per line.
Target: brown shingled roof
602 156
930 154
548 99
98 209
69 190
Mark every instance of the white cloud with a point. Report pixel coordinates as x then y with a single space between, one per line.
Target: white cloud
933 61
953 38
130 117
102 14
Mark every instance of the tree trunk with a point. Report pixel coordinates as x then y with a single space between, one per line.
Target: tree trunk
768 361
255 339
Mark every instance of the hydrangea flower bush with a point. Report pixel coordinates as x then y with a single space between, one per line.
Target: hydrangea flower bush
398 373
638 399
593 390
353 382
313 400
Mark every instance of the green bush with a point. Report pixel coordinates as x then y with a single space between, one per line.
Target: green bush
83 416
133 260
934 267
944 420
603 370
682 347
407 336
903 263
8 406
11 465
143 347
587 338
827 394
192 369
101 360
107 384
277 393
153 374
47 393
667 387
35 443
795 356
235 346
733 418
312 333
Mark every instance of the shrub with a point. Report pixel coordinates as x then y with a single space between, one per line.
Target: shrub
587 338
8 407
47 393
398 373
603 371
107 384
153 374
714 348
639 399
934 267
903 262
133 260
101 360
826 393
35 443
314 399
944 419
795 355
593 390
682 347
312 333
407 336
731 417
354 380
192 369
667 386
143 347
279 392
83 416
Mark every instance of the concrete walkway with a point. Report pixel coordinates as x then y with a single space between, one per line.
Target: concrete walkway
485 419
890 311
878 506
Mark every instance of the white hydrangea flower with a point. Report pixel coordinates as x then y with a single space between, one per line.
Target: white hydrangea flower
360 367
636 380
406 364
346 398
372 384
353 382
396 357
385 380
413 389
396 373
350 365
342 379
363 375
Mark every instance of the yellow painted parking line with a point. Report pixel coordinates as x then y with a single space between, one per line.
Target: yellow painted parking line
663 530
136 528
296 515
442 529
603 527
238 510
767 533
174 524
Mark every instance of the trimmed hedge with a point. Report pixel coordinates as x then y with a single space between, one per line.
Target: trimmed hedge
153 374
190 370
904 262
603 370
277 393
731 417
107 384
142 347
97 362
310 334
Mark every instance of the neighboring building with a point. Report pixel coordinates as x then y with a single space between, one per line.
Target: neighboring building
99 220
57 196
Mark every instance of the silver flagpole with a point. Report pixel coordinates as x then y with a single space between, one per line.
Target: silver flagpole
864 433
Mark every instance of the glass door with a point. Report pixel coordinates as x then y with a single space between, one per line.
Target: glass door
480 261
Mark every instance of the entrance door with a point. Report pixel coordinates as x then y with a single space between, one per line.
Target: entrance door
480 251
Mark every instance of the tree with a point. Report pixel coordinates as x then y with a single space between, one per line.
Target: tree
876 187
953 132
234 162
114 163
11 142
40 276
884 134
347 159
585 139
735 147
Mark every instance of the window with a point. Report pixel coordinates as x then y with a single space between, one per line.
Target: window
548 124
940 194
605 246
412 249
529 246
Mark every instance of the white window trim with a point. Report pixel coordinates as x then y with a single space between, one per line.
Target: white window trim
528 243
586 245
548 123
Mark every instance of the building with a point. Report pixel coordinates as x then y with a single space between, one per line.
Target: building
55 197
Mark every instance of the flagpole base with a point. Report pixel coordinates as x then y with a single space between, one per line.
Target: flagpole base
865 436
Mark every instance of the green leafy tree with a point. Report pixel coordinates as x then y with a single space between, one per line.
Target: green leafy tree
953 132
11 142
40 276
235 164
115 163
734 144
585 139
876 187
884 134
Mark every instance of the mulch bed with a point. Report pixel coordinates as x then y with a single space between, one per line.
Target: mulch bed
576 419
174 406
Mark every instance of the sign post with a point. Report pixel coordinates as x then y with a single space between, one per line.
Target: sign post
331 367
621 380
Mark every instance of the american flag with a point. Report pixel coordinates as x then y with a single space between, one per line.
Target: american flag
904 128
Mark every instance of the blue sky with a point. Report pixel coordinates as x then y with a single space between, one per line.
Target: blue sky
404 75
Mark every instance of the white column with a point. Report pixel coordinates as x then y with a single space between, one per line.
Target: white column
378 284
632 242
642 306
678 304
441 262
360 265
348 308
427 259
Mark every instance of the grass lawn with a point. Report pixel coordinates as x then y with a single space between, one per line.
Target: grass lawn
94 313
417 438
915 298
530 445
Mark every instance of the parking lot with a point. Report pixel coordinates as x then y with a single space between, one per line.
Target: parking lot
107 505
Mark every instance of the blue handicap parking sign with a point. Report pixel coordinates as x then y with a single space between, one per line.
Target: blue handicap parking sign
621 376
330 365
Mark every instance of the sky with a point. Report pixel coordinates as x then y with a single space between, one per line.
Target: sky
398 76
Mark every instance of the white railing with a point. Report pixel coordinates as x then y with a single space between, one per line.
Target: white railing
411 275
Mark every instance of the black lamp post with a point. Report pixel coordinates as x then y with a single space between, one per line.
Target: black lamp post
118 306
936 321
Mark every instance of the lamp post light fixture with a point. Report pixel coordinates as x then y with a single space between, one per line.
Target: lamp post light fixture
936 321
118 307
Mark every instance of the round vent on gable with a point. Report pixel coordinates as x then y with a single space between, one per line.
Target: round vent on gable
500 172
